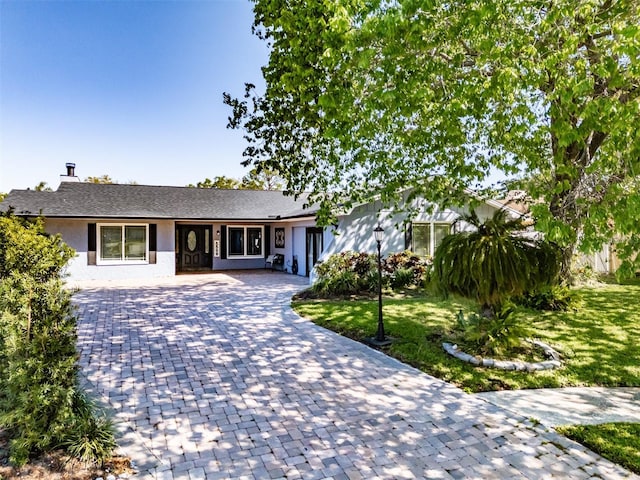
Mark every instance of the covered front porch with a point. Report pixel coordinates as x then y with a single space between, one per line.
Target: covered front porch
216 246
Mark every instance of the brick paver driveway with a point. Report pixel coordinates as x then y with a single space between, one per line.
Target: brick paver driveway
215 377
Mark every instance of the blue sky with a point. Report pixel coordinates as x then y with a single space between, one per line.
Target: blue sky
131 89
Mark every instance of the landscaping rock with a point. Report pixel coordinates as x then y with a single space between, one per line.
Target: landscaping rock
519 366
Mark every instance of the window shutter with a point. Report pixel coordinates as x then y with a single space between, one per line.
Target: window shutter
91 240
91 244
223 241
408 235
153 242
267 240
153 237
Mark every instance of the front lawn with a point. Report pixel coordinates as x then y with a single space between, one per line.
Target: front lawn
600 343
619 442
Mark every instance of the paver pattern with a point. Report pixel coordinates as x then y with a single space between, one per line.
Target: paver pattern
215 377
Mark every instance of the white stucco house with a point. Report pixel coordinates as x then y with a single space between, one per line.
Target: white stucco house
141 231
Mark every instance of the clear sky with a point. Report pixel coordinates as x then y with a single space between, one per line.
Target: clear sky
128 88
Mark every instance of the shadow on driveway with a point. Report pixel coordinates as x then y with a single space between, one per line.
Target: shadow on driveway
216 377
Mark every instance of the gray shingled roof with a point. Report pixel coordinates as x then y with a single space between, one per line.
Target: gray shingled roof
76 199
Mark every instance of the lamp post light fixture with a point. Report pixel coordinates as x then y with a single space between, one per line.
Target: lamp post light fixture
380 340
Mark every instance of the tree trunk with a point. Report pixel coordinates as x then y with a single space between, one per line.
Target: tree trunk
563 207
566 260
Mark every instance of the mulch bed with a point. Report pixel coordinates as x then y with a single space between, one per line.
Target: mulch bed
57 465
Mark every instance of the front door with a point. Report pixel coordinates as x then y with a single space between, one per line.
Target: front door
194 248
314 247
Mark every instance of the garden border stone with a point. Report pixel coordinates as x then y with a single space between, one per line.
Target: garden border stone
515 365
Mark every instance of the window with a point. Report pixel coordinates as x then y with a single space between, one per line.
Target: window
245 241
236 241
427 236
122 243
254 241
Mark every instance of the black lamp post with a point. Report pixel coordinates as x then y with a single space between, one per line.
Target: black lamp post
380 339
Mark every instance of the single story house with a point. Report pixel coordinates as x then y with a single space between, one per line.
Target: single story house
141 231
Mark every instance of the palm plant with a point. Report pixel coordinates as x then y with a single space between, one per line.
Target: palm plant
495 262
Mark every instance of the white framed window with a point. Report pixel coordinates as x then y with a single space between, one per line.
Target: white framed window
122 243
245 241
427 236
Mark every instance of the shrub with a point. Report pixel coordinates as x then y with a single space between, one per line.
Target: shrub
402 277
397 263
494 263
370 281
583 274
492 336
39 403
555 298
346 273
39 364
350 273
357 262
91 436
344 282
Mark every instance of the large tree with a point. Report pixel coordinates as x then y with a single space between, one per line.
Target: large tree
262 179
220 182
104 179
257 179
374 97
42 187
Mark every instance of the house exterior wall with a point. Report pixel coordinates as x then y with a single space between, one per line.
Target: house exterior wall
355 230
294 246
294 243
74 233
218 262
300 248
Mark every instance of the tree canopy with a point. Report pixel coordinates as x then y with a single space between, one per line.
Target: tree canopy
106 179
257 179
101 179
221 182
262 179
42 187
374 97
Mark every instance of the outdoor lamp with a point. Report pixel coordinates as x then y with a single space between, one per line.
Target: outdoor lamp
380 340
378 233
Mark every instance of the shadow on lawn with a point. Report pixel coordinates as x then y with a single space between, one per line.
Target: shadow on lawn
602 339
599 343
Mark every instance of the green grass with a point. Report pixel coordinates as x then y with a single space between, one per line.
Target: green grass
619 442
600 343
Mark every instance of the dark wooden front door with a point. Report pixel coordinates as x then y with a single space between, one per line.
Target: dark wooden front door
194 248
